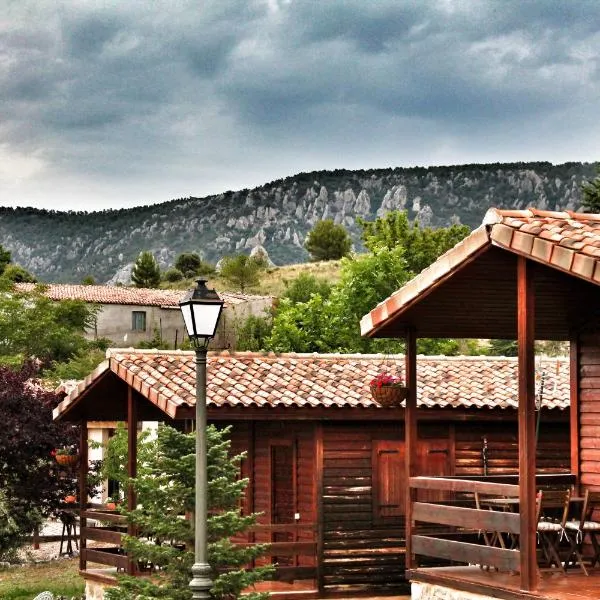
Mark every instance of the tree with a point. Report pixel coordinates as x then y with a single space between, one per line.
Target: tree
328 241
421 246
5 258
88 280
172 275
591 193
145 272
30 486
191 265
242 271
304 286
252 334
165 492
33 325
18 274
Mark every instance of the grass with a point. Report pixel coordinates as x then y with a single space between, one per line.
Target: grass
273 280
61 577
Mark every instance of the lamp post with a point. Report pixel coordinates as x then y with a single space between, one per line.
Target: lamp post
201 309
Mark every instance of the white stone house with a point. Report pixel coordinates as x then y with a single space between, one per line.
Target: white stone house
130 315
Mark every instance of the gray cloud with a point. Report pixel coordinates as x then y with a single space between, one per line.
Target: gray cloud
125 103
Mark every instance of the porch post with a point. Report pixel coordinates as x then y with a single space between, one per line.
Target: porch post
574 407
132 421
83 471
410 438
526 413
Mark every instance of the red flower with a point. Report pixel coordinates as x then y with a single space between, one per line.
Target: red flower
53 453
386 379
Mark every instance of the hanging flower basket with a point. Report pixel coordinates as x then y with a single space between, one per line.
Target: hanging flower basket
66 457
67 460
388 390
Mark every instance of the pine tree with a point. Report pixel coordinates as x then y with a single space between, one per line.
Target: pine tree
328 241
165 492
145 272
591 194
242 271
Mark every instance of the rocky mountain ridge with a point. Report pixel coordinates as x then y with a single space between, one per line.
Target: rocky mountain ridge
65 247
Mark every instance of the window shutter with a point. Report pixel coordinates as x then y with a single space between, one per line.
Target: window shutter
389 481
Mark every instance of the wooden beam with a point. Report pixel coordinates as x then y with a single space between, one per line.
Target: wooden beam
449 484
83 471
410 438
470 518
574 406
132 422
501 558
319 504
526 415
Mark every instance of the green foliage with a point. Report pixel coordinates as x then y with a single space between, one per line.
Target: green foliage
165 491
88 280
145 272
328 241
332 324
252 334
172 275
503 348
78 366
156 342
191 265
421 246
5 258
18 274
304 286
242 271
32 325
590 191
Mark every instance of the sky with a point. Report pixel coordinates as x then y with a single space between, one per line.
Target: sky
112 104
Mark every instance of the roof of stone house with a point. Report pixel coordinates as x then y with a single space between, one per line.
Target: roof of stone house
246 379
109 294
566 241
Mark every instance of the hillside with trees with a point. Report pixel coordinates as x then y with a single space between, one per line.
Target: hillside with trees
66 247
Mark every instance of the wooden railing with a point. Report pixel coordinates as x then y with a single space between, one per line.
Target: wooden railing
110 530
112 527
461 519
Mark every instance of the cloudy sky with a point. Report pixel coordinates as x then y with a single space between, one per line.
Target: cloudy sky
107 104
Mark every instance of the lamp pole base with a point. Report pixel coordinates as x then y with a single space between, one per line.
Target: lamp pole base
201 582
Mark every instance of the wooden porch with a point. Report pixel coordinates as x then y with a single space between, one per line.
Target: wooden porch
507 586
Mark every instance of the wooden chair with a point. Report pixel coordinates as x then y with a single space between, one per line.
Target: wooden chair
578 529
553 510
490 538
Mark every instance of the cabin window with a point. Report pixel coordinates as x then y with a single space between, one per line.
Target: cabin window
138 320
389 482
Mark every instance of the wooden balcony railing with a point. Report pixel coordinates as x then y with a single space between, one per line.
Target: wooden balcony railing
299 555
460 519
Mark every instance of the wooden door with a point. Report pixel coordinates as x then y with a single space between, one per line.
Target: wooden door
433 459
283 493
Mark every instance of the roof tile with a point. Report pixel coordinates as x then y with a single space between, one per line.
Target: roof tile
330 380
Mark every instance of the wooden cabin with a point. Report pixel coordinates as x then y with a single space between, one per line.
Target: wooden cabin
526 275
324 460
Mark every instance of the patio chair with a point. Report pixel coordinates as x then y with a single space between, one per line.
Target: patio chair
490 538
578 529
553 510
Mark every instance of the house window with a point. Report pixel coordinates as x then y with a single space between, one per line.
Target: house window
138 320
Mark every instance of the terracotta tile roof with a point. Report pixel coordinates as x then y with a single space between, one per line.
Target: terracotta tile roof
109 294
567 241
167 378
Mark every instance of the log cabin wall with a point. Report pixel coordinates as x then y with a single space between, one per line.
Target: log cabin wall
589 410
362 517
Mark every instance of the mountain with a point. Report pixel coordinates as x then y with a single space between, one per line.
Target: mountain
66 246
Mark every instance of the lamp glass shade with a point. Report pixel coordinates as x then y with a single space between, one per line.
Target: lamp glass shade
201 318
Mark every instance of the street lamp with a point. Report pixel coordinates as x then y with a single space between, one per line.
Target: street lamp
201 309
